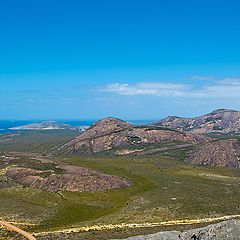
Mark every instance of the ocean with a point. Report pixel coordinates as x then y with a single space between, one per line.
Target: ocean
5 125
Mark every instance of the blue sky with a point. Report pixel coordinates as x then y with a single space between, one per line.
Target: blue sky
131 59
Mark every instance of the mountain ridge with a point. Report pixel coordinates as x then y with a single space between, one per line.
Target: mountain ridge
109 133
217 121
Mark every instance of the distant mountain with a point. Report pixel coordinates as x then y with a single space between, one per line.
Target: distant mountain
111 133
219 121
49 125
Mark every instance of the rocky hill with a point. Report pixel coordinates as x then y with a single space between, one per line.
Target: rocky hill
217 153
111 133
219 121
228 230
73 179
42 173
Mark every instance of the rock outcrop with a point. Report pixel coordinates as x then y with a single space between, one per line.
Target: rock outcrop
228 230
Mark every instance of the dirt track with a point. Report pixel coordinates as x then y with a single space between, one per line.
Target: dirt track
139 225
27 235
16 229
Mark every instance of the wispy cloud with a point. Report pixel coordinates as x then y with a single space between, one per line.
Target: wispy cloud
201 78
225 88
146 88
44 96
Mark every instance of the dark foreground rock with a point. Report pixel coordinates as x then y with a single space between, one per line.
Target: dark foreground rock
228 230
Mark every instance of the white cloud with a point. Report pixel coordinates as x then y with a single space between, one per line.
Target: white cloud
225 88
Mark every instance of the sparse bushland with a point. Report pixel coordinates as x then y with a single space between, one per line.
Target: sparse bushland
164 188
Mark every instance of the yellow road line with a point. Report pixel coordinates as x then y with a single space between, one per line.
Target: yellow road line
138 225
23 223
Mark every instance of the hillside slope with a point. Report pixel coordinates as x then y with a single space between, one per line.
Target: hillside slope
218 153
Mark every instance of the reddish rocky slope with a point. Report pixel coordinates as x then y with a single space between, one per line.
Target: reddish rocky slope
110 133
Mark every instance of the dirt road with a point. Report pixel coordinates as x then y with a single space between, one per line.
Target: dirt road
18 230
